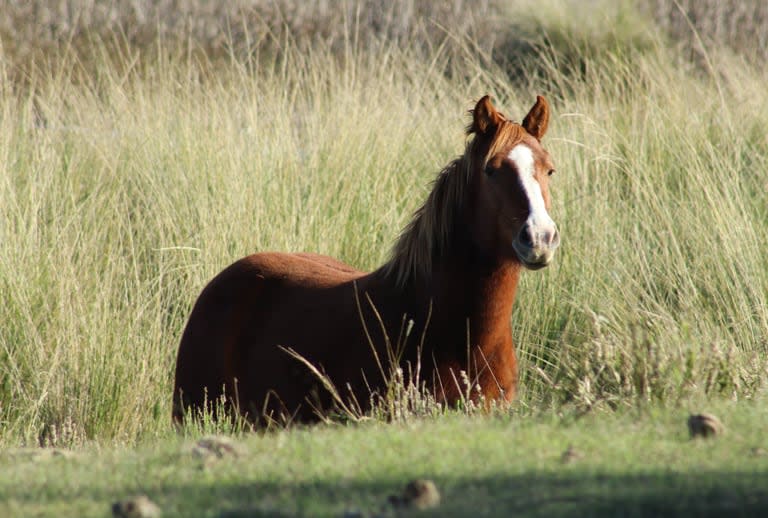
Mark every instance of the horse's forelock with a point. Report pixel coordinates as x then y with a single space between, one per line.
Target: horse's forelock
507 136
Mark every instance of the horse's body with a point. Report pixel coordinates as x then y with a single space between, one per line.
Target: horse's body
443 302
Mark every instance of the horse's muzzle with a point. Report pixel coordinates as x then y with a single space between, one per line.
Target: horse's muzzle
535 246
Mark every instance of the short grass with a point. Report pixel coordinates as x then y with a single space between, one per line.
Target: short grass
629 463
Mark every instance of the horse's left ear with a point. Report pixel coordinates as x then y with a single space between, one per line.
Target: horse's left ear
537 120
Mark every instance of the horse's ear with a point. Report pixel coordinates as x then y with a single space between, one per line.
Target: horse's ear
537 120
485 118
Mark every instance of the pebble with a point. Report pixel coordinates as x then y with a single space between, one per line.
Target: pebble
418 494
136 507
704 425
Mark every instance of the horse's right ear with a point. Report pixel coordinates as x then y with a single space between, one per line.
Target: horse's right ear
485 118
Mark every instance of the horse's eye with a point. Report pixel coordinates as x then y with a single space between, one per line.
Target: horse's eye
489 170
550 172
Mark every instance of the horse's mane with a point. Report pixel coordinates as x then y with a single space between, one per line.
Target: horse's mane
430 232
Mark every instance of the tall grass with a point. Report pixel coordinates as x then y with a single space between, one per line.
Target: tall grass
665 172
124 190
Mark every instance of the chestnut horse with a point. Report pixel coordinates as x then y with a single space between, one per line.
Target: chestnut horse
266 326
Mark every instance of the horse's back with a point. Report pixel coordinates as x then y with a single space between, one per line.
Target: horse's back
263 301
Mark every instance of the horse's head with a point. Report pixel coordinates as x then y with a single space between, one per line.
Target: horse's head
510 179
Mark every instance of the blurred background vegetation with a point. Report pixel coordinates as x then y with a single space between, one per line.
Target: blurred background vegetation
34 30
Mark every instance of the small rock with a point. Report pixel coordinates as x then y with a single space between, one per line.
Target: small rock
704 425
137 507
418 494
219 445
570 454
213 448
757 451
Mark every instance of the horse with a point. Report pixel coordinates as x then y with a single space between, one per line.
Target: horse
289 335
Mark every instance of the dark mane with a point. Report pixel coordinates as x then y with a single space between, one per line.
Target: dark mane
429 234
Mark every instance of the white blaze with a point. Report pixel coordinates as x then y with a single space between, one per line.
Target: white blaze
538 220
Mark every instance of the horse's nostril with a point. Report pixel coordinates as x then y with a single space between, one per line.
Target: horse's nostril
555 241
547 238
525 236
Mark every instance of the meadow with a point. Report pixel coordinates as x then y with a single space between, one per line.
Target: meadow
136 164
626 463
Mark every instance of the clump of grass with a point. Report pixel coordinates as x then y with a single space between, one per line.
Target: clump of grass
609 368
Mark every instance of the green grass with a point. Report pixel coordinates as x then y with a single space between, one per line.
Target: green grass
631 463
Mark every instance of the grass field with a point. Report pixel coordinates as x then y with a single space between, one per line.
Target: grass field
632 463
132 171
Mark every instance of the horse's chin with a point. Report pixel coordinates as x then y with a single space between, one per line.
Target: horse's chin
535 265
532 260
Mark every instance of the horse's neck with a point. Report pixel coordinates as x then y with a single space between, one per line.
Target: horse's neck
464 298
479 295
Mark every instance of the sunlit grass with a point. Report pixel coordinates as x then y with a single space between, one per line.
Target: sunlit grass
628 463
